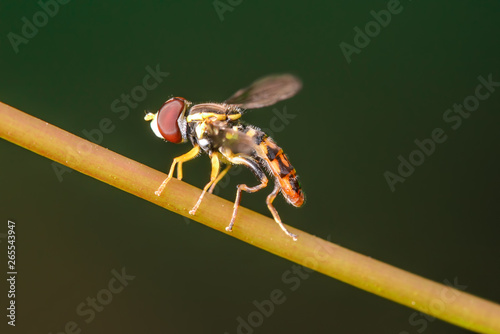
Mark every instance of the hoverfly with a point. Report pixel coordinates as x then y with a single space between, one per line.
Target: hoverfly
215 128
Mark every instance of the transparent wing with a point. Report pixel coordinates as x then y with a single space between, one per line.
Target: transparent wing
266 91
237 141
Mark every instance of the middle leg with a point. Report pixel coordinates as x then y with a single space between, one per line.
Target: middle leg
220 177
213 177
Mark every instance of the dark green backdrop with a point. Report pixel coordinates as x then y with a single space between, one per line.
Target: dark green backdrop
354 117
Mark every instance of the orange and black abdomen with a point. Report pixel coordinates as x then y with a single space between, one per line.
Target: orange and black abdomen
278 164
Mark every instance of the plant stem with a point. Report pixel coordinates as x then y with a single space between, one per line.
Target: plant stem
421 294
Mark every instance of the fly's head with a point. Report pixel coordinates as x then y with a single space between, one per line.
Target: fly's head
169 122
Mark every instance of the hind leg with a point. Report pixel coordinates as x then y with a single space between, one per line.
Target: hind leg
254 167
277 219
263 184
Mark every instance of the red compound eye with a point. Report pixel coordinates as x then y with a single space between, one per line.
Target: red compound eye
167 119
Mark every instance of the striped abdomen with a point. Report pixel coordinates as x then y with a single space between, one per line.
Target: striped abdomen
279 165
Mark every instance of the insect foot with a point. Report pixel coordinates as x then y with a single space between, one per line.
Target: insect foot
162 186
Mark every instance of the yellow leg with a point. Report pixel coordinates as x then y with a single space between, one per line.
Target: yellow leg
220 177
213 178
179 160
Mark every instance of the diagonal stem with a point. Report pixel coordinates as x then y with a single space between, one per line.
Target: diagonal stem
436 299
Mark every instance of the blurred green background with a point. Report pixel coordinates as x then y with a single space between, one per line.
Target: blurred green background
352 121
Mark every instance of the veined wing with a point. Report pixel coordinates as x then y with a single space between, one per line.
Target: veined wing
266 91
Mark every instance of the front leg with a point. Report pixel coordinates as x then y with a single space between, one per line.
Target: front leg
179 160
